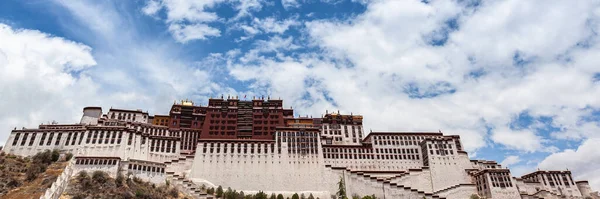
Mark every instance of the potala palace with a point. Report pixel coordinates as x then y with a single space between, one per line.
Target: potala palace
253 145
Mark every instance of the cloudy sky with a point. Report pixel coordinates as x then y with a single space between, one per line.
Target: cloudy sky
519 81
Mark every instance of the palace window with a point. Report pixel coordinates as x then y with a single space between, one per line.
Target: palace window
50 139
24 139
32 139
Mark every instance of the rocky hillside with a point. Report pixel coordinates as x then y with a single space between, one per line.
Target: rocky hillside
99 185
28 177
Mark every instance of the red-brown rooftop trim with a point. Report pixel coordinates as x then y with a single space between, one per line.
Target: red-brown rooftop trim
126 110
164 137
544 172
234 140
491 171
404 133
345 146
145 161
92 107
96 157
484 161
108 128
304 128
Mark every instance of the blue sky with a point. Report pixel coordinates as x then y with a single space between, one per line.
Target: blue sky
518 80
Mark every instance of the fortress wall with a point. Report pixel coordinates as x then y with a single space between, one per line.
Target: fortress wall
447 171
584 187
91 164
527 187
28 142
148 171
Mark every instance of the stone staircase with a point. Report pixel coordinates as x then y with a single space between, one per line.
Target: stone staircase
451 188
177 171
393 190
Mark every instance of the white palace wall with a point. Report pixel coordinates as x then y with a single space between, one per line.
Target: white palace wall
267 171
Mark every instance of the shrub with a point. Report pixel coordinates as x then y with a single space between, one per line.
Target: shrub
82 175
279 196
137 180
311 196
100 177
120 180
474 196
173 193
68 156
55 155
42 157
295 196
79 196
12 182
33 170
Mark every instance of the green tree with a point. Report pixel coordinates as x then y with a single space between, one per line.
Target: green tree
302 196
55 155
295 196
210 191
273 196
219 192
279 196
228 194
311 196
241 195
341 193
355 196
474 196
260 195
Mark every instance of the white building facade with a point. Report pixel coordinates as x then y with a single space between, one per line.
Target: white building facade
308 159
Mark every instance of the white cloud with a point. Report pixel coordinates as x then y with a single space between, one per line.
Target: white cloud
368 62
287 4
152 71
185 33
583 162
510 160
151 8
524 140
187 19
190 19
246 7
37 80
272 25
